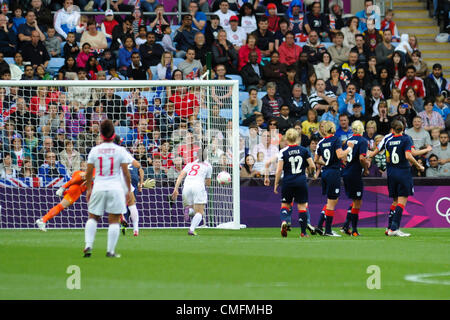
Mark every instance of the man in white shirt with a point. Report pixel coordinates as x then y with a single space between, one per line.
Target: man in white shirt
107 193
224 14
235 34
418 134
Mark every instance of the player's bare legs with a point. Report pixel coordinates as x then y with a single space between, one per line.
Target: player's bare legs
394 230
197 219
113 234
89 234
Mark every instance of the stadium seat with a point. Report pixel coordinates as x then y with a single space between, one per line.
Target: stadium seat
203 114
62 48
243 96
9 60
176 61
122 94
54 65
226 113
237 77
243 131
125 133
149 95
261 94
154 73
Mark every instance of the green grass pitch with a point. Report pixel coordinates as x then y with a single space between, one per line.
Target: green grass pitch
220 264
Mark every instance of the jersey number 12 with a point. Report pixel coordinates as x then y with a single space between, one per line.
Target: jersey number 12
296 164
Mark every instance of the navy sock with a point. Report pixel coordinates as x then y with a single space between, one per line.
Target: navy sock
303 220
397 217
308 217
284 215
355 222
328 223
321 220
348 218
289 217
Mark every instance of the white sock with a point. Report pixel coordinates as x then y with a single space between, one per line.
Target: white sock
191 212
134 215
113 236
196 221
89 232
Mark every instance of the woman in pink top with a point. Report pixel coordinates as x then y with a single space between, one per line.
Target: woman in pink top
245 50
289 51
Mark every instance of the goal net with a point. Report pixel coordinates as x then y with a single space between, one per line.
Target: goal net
49 127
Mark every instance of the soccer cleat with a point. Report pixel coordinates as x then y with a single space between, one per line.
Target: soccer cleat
288 227
112 255
87 253
319 231
304 235
397 233
332 234
284 227
311 229
386 232
136 233
346 231
355 234
192 233
41 225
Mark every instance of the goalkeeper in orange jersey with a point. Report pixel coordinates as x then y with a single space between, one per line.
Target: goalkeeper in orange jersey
71 191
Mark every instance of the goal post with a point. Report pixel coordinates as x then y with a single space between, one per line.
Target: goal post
49 127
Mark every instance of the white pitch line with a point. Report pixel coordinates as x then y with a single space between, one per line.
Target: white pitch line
424 278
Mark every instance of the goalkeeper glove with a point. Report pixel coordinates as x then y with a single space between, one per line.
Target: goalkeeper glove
149 183
60 192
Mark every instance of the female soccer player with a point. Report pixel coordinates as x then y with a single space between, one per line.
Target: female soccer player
329 154
352 175
71 191
198 176
400 182
292 162
107 194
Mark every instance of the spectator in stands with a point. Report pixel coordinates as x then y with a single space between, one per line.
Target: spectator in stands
350 31
166 67
114 107
84 55
288 50
244 51
141 136
185 102
51 118
431 119
71 48
190 67
382 119
39 102
151 51
53 43
235 34
120 33
339 53
310 127
201 48
156 170
267 148
385 50
337 22
212 29
168 120
323 68
421 66
138 21
386 84
24 30
98 115
394 102
221 95
287 82
247 18
279 35
17 19
418 134
92 68
96 39
435 83
317 21
440 107
137 70
86 139
224 13
314 48
364 15
436 169
51 169
174 171
413 101
404 48
251 107
371 133
362 81
70 158
357 114
298 103
334 83
371 102
108 24
284 121
389 24
198 17
407 113
34 52
321 99
29 74
7 168
397 67
75 120
345 131
69 70
125 54
107 60
372 68
17 151
17 68
272 18
8 39
142 112
224 53
443 151
188 149
372 36
271 102
21 117
274 71
67 19
167 42
265 39
332 113
349 98
184 36
247 169
362 49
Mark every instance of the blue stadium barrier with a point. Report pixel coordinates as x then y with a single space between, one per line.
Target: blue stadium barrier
54 65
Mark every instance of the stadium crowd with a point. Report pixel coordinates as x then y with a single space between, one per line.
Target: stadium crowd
299 65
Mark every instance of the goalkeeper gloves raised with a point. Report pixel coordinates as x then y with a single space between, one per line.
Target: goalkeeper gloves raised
149 183
60 192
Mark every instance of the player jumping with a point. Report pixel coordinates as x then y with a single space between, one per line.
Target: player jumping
292 162
352 175
107 194
198 176
329 153
71 191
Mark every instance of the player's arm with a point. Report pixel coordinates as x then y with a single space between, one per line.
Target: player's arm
311 166
364 163
208 182
417 153
89 176
126 174
343 154
278 175
412 160
178 183
266 170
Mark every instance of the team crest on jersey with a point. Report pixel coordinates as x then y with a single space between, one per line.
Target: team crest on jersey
336 191
358 194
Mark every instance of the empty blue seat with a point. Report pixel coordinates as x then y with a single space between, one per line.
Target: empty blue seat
54 65
243 96
154 72
176 61
226 113
261 94
122 94
237 77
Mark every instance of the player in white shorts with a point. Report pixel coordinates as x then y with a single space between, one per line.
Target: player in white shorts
198 176
107 193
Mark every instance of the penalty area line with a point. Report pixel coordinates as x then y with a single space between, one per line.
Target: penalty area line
425 278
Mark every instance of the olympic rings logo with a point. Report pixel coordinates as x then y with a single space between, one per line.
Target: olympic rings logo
446 215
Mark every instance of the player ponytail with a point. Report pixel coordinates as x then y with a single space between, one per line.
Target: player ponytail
329 127
292 136
357 127
397 126
107 130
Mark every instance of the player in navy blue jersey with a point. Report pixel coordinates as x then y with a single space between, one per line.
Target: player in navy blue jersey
293 161
352 176
381 148
400 182
329 155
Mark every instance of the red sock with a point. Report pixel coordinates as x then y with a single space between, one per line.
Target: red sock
355 210
392 207
401 206
324 208
329 213
53 212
